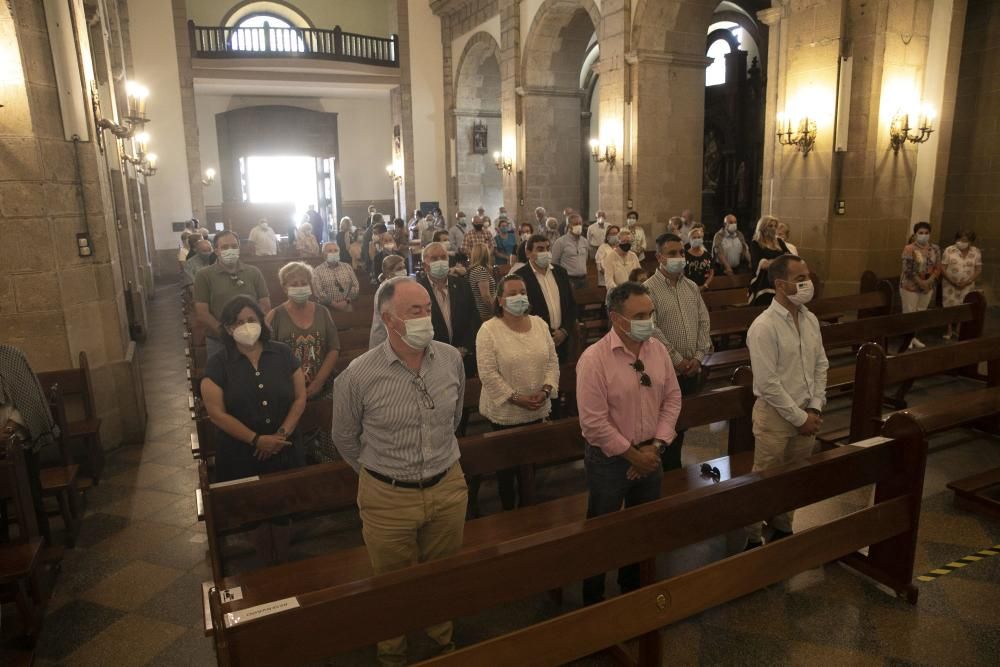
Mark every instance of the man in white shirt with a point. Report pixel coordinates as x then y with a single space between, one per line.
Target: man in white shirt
540 216
620 262
265 241
596 232
687 225
730 247
789 379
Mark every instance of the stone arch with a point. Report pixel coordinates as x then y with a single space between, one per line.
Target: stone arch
477 103
551 58
659 26
280 8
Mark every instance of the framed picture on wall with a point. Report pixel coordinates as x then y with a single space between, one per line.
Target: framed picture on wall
479 139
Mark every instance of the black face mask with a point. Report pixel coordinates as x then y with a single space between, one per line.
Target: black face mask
478 226
625 246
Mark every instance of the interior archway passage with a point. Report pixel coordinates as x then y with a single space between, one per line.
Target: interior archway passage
556 167
478 126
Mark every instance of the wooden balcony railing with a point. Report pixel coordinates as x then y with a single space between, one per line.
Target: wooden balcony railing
270 42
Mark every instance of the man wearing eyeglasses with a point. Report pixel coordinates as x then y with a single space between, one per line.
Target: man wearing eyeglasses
396 409
629 400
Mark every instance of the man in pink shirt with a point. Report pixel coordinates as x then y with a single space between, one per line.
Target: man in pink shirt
629 400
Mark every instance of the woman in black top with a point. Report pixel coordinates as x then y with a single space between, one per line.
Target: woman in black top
254 393
764 247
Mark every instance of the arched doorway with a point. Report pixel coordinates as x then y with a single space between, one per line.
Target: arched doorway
734 118
478 125
556 107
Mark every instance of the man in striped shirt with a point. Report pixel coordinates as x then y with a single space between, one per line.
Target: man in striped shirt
682 324
396 409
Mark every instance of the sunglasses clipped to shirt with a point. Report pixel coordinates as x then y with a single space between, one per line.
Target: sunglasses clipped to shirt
640 368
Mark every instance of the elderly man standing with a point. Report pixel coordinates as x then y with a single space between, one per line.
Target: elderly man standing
396 409
682 324
335 283
540 216
203 256
570 252
265 241
456 235
789 379
629 401
219 283
476 236
596 233
453 307
730 248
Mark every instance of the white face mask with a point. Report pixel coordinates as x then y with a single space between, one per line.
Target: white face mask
439 269
247 334
962 245
631 222
674 265
576 229
445 244
804 294
525 236
731 228
923 239
697 243
419 332
389 246
230 256
333 257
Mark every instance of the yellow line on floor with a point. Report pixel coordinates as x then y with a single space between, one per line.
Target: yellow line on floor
959 563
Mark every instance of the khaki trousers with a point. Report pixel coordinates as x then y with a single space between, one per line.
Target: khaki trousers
776 442
403 527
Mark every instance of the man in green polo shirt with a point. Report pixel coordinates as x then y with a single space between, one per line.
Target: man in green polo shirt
220 282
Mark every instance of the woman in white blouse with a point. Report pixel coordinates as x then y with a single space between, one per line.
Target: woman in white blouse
518 368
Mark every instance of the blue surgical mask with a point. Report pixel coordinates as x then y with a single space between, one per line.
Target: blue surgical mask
439 269
299 294
516 304
640 330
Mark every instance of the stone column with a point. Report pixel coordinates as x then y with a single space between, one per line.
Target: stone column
188 109
667 172
510 108
408 194
551 148
616 22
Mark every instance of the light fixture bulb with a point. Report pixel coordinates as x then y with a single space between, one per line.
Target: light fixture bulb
152 159
210 173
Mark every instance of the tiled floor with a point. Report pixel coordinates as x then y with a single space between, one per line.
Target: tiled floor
129 594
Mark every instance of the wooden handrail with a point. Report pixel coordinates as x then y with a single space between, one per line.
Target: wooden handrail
281 42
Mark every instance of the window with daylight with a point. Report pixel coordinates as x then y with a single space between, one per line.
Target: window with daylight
715 74
266 32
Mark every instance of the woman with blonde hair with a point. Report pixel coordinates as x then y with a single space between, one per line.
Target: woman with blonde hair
764 247
305 242
481 280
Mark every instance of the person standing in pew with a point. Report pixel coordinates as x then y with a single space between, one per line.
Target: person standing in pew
203 256
396 408
629 401
453 307
550 293
255 393
335 283
961 266
220 282
682 324
921 269
519 369
789 379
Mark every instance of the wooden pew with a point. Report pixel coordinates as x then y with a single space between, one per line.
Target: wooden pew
77 391
724 282
874 372
330 614
231 506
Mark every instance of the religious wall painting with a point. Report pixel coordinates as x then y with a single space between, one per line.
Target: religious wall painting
480 139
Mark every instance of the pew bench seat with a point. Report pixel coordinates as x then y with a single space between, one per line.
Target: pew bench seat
348 565
959 409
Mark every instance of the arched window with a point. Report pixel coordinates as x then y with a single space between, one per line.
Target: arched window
265 32
715 73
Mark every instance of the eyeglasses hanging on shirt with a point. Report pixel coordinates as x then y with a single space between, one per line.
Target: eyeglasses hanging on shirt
640 368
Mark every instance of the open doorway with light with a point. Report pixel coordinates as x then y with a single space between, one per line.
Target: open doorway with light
299 180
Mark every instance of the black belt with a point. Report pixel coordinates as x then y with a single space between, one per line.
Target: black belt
422 484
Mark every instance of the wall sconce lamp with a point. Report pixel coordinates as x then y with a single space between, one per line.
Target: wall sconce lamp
394 174
143 161
135 119
148 168
803 137
209 177
900 130
502 162
609 156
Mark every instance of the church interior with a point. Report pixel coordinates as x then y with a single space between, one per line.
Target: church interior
140 137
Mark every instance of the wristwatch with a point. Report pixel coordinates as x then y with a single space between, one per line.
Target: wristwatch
661 447
548 392
282 432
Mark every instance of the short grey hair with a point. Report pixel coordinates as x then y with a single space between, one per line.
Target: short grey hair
620 294
387 291
435 244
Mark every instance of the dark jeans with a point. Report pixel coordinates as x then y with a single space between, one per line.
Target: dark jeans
672 456
509 480
608 489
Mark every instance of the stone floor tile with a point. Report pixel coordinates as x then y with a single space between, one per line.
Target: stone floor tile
72 626
144 504
137 539
180 552
191 649
180 603
98 526
131 642
128 588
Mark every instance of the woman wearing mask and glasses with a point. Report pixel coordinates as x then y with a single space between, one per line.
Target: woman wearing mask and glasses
961 265
698 261
519 370
254 392
921 268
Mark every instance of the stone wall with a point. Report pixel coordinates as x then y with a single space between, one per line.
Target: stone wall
972 199
55 303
